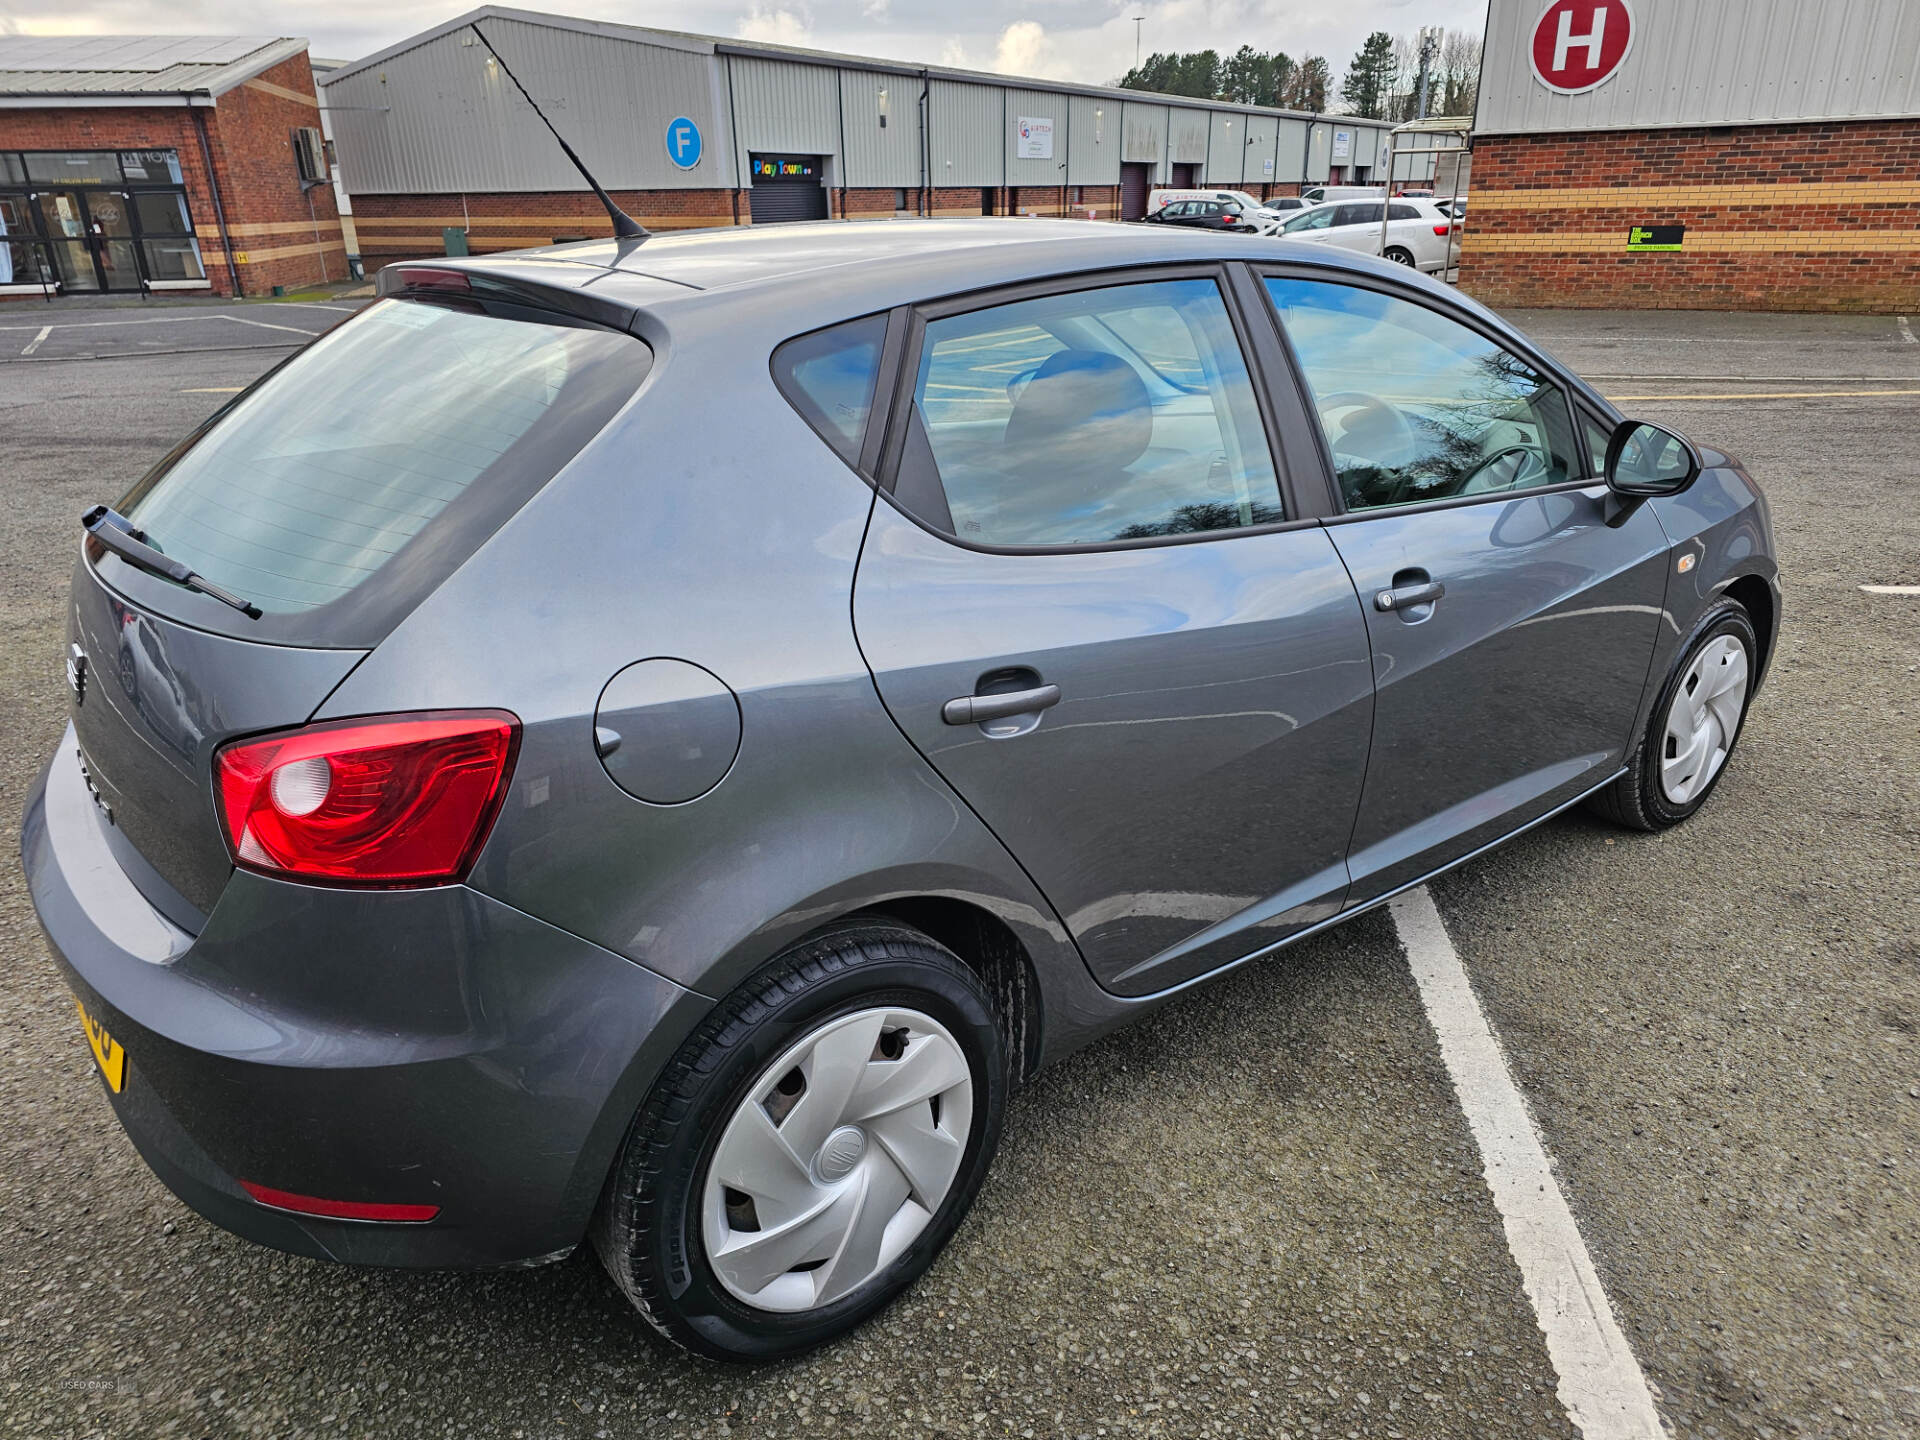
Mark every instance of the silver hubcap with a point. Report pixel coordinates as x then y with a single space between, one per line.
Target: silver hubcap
838 1157
1703 718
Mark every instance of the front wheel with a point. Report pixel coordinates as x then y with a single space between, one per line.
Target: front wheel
811 1148
1693 728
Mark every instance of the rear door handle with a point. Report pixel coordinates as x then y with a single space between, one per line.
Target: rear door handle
1405 597
974 709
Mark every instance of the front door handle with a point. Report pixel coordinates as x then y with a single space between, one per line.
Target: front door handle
1405 597
976 709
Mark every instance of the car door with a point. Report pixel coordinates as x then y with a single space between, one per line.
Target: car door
1356 226
1086 602
1511 604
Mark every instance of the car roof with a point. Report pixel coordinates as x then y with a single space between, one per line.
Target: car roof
937 256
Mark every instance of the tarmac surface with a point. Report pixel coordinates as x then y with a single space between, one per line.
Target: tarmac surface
1258 1213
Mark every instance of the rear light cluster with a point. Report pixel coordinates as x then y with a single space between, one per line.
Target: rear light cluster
390 801
1441 229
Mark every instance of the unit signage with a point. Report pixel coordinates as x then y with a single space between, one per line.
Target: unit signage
1033 137
683 142
1656 237
1342 146
783 167
1579 44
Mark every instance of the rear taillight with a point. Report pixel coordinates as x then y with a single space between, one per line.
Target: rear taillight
394 800
1440 229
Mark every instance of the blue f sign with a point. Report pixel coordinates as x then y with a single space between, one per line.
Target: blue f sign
683 143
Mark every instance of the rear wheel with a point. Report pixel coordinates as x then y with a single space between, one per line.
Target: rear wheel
1694 725
811 1148
1399 255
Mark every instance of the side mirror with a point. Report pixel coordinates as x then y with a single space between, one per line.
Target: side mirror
1647 459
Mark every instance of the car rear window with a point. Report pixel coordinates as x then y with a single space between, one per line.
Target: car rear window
413 430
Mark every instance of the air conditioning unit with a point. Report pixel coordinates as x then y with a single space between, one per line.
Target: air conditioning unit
310 154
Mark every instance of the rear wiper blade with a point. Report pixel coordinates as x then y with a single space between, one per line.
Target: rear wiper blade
130 543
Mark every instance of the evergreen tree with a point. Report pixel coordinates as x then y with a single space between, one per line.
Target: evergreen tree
1369 84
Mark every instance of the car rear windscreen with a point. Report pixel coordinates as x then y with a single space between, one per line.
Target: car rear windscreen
358 474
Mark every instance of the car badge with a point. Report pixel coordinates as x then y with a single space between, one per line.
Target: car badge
77 673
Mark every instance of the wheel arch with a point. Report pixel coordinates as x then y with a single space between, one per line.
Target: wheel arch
1755 596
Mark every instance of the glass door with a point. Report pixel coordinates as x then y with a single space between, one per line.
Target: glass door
110 236
63 220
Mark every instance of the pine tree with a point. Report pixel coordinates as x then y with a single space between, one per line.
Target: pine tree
1369 83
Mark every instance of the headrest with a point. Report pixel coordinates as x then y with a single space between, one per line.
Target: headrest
1084 411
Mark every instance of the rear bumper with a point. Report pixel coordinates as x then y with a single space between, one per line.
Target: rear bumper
418 1047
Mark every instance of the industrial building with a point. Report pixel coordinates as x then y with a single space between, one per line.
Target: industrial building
437 148
148 163
1752 154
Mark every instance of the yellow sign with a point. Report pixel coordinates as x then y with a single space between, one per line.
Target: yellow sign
107 1052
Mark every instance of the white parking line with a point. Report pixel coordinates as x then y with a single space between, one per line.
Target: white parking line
34 343
242 320
1891 589
1601 1385
1906 331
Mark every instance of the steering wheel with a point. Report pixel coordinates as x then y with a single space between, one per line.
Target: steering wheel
1378 422
1470 483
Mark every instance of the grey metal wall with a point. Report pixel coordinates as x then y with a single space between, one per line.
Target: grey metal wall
968 145
1319 151
1716 62
437 118
876 155
434 118
1093 140
1263 133
1146 136
784 109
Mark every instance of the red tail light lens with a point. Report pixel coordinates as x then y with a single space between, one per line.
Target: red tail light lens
1441 229
396 800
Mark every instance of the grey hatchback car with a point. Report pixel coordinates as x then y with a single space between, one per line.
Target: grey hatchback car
652 742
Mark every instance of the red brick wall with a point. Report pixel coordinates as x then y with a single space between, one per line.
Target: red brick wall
249 131
407 227
1779 217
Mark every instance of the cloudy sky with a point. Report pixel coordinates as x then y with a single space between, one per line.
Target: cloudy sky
1086 40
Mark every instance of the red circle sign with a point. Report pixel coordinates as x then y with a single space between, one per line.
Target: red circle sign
1578 44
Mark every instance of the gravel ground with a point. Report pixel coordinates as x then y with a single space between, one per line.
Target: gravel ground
1258 1213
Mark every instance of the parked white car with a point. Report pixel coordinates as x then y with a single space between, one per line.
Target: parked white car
1419 232
1266 216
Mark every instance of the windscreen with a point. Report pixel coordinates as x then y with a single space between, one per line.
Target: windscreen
414 429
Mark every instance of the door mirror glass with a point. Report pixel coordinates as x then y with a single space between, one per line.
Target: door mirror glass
1648 459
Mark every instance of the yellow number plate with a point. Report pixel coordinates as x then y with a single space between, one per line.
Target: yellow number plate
107 1051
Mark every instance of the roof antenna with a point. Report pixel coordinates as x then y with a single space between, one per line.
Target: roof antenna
625 227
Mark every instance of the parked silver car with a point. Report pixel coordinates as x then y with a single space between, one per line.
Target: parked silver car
654 740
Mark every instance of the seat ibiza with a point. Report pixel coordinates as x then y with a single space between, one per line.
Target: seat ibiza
651 742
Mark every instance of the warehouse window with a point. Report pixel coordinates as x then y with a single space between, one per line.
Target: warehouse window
90 220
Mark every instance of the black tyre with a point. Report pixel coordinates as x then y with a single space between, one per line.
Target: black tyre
1694 724
810 1148
1399 255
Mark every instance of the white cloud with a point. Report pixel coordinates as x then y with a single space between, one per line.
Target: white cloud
1024 49
773 26
955 54
876 9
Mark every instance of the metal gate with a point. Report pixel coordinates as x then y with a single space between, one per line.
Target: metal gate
786 187
1134 182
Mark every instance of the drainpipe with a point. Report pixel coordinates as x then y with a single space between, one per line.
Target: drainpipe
213 185
926 143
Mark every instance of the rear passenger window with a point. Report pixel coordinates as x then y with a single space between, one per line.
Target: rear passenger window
1402 212
1116 414
829 377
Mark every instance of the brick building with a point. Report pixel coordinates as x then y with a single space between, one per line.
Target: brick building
437 148
162 163
1757 154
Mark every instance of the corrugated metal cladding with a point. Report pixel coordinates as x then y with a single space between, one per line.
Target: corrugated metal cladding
1715 62
1146 135
438 118
1319 151
966 130
886 156
431 115
1186 136
784 109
